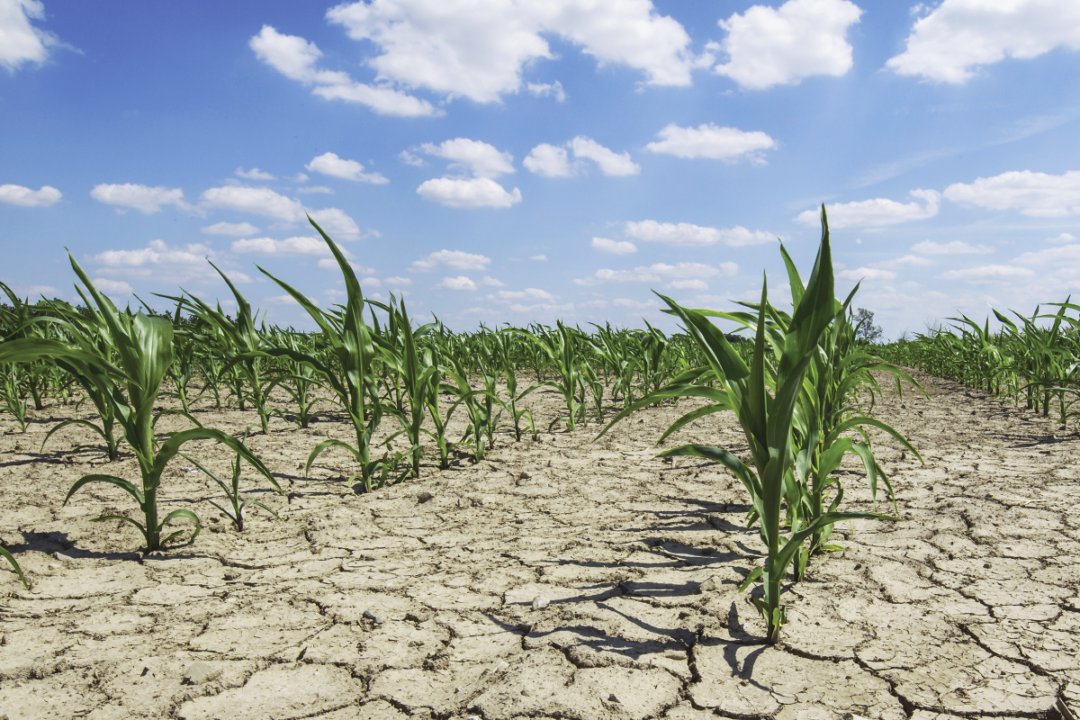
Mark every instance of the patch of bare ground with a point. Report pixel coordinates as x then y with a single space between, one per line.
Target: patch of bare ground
566 578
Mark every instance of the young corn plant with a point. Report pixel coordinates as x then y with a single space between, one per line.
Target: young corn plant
242 345
4 553
238 504
350 371
764 395
133 366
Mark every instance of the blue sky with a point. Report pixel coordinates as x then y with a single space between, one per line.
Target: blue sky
513 161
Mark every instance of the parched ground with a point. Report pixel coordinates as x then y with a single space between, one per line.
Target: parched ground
567 578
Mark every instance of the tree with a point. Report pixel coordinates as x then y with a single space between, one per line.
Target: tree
865 329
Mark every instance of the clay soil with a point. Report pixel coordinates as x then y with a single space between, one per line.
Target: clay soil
567 578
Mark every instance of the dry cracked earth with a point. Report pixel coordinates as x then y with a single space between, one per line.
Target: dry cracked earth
568 578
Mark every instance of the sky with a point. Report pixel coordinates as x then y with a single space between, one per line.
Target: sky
511 161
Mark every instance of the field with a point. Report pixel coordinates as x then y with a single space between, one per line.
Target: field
383 519
561 578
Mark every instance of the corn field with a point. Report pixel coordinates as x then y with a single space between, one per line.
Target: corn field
413 401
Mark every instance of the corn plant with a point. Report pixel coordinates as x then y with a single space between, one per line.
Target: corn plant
238 504
350 371
242 343
417 379
133 367
297 380
4 553
764 395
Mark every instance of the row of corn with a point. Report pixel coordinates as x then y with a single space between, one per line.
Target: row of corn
1031 359
798 382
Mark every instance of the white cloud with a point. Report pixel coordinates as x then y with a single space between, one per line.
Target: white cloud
1031 193
330 164
631 304
953 247
960 35
283 299
539 257
476 157
781 46
553 90
613 247
232 229
661 272
549 161
609 161
908 261
689 285
253 174
44 196
298 245
468 193
156 254
113 287
297 59
488 281
526 294
554 160
254 200
458 282
689 235
478 50
20 41
397 281
1062 239
337 224
988 274
147 200
456 259
877 212
866 273
711 142
316 190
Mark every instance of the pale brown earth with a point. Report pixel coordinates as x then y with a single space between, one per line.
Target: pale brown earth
567 578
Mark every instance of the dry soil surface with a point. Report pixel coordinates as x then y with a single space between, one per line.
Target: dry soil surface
567 578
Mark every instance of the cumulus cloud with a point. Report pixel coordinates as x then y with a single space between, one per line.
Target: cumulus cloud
113 287
866 273
337 224
298 245
661 273
480 49
147 200
689 285
455 259
552 90
609 161
231 229
468 193
20 41
712 142
554 160
527 294
255 201
782 46
458 282
330 164
877 212
958 36
158 254
1031 193
44 196
953 247
613 247
689 235
1062 239
988 274
297 59
549 161
476 157
253 174
539 257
